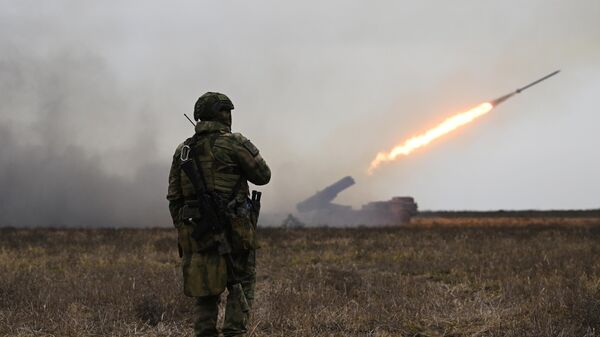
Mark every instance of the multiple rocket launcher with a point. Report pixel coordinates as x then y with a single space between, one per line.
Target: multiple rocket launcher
320 209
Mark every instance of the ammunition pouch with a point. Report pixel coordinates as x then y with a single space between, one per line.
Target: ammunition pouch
243 227
243 234
189 245
190 210
195 234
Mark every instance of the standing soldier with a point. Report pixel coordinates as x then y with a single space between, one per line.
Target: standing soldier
214 216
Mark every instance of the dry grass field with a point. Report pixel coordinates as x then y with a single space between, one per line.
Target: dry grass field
434 278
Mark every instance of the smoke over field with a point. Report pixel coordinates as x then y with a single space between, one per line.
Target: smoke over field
459 279
92 97
53 170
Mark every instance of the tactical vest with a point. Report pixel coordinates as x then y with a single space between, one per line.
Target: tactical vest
221 174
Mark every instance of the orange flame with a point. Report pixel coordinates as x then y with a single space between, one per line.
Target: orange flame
423 139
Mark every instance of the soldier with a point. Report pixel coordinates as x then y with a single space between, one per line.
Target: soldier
224 163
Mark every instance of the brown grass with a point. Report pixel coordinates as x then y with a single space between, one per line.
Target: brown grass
435 281
504 221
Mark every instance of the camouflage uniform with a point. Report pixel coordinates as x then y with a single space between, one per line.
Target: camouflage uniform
228 161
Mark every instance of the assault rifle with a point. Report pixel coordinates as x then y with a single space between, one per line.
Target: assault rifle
212 219
206 203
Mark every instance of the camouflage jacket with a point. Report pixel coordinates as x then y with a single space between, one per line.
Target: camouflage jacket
225 157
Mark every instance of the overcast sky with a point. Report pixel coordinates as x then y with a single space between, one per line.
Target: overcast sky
97 91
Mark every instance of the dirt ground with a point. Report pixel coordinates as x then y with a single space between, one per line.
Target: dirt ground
433 278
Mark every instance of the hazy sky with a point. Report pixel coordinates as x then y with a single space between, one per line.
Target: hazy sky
92 97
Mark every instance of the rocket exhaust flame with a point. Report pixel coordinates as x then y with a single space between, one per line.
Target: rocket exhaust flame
450 124
427 137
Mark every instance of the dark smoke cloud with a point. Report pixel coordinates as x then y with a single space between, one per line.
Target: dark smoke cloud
41 186
49 174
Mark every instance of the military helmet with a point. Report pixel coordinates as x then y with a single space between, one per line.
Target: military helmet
211 103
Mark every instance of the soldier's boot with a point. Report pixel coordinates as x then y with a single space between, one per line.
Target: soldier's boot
207 311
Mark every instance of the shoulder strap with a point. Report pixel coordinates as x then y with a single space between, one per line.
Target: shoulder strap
191 168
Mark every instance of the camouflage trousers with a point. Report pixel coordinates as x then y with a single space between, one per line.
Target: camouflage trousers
236 320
